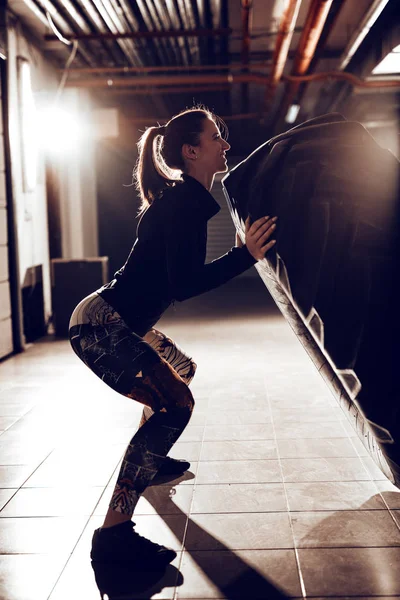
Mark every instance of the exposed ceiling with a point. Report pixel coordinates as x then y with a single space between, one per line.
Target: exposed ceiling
247 59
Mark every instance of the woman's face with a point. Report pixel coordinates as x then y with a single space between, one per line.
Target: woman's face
211 150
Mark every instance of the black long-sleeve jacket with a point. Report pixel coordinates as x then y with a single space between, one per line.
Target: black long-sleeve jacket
167 261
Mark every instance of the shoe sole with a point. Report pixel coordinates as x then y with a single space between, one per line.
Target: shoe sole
150 565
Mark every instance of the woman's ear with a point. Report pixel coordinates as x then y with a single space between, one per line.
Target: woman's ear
189 152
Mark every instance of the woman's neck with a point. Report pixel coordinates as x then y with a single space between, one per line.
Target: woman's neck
205 179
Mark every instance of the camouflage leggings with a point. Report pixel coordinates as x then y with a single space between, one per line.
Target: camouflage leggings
151 370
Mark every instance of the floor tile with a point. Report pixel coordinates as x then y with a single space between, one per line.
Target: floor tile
245 417
243 471
156 500
14 476
59 472
168 530
322 430
40 573
186 450
226 574
52 502
315 414
338 495
14 453
238 450
192 433
345 528
5 495
80 581
6 422
390 493
351 571
239 498
251 531
373 469
316 448
261 431
46 535
324 469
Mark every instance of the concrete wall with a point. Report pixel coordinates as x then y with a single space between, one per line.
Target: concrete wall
30 205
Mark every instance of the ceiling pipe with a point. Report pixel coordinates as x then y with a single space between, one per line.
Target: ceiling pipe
156 80
168 90
312 30
167 68
237 117
284 38
227 78
344 76
247 14
146 34
327 30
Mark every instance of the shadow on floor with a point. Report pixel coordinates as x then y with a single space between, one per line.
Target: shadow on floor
235 578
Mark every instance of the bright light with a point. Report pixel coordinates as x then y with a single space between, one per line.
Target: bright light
292 113
390 64
28 126
60 131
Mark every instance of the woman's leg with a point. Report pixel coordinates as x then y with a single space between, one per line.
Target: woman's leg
181 362
131 367
172 403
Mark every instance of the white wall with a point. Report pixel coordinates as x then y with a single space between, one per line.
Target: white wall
30 207
78 200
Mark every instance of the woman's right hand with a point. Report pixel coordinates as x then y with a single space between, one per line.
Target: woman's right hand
258 234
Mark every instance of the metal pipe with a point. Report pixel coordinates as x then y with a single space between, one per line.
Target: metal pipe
168 68
147 34
344 76
313 27
229 78
168 90
237 117
247 6
283 41
247 14
157 80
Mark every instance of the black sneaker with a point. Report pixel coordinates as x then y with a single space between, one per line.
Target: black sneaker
171 469
121 544
173 466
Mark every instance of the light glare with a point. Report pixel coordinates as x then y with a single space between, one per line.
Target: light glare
60 131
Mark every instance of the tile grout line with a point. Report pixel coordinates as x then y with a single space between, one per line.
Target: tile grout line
175 594
299 571
377 488
81 534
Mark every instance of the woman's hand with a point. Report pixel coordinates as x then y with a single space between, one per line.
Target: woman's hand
258 234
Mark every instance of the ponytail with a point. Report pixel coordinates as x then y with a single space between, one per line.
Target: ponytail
150 174
160 161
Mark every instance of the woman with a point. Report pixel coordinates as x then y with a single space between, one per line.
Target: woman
112 329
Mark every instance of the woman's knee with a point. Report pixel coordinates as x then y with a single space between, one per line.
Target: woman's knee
172 391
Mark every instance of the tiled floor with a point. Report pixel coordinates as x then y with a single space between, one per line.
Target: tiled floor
281 499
